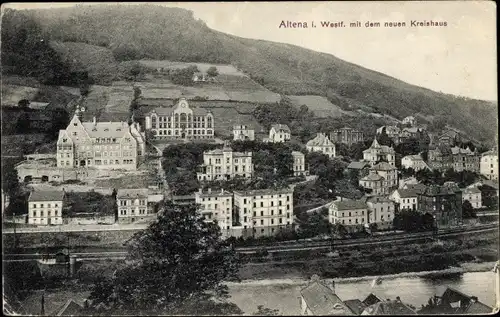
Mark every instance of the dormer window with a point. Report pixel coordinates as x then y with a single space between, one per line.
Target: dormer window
106 129
75 124
119 129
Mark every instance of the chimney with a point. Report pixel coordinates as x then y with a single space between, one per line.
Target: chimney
333 286
398 299
222 191
94 121
473 299
210 190
200 190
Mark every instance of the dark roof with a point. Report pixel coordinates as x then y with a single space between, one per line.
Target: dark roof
282 127
416 187
350 204
46 196
383 166
371 299
407 193
357 165
390 307
355 305
436 190
478 308
322 301
451 295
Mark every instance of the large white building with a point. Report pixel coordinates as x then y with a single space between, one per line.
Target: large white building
133 205
377 152
381 210
264 212
243 133
217 206
415 162
45 207
405 199
279 133
321 143
103 145
489 165
473 195
410 120
353 214
224 164
299 163
180 122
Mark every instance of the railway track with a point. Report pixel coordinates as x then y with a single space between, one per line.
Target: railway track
394 239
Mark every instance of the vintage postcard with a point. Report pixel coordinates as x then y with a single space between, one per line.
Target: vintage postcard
249 158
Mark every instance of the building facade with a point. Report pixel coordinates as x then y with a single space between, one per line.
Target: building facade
376 153
381 212
489 165
299 163
465 160
415 162
5 201
218 207
443 202
353 214
405 199
389 173
102 145
279 133
346 136
224 164
440 158
264 212
45 207
180 122
391 131
321 143
410 120
375 182
133 205
243 133
473 195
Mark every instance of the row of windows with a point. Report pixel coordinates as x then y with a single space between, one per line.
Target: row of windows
113 162
129 202
228 200
171 118
280 212
50 213
49 205
181 125
228 160
272 196
245 210
188 132
350 213
245 219
123 212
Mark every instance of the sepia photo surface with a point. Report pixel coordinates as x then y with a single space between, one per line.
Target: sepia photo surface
249 158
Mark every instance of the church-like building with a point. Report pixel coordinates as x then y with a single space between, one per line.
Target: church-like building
180 122
103 145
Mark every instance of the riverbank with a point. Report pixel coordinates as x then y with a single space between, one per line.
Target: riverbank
467 267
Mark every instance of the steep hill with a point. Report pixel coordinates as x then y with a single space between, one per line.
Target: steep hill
155 32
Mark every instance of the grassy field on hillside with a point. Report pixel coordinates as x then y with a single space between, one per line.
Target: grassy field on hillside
203 67
320 105
11 94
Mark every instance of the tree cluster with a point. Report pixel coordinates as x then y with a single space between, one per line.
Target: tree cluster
411 221
182 76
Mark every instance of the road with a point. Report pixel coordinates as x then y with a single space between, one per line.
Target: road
405 238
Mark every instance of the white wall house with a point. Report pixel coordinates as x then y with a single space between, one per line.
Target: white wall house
243 133
133 205
377 152
489 165
299 163
473 195
217 206
224 164
416 162
45 207
321 143
405 199
279 133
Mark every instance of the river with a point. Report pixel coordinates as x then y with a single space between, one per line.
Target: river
412 290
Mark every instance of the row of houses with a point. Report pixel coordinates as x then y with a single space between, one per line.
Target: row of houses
133 205
320 298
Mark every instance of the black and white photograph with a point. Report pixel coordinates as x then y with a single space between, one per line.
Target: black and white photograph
249 158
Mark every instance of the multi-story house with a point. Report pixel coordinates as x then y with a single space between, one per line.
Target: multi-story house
415 162
346 136
243 133
375 182
322 144
405 199
440 158
489 165
102 145
133 205
410 120
388 172
443 202
353 214
45 207
381 211
473 195
465 160
299 163
391 131
218 207
279 133
180 122
264 212
376 153
224 164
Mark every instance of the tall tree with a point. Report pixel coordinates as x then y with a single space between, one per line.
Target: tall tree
179 258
